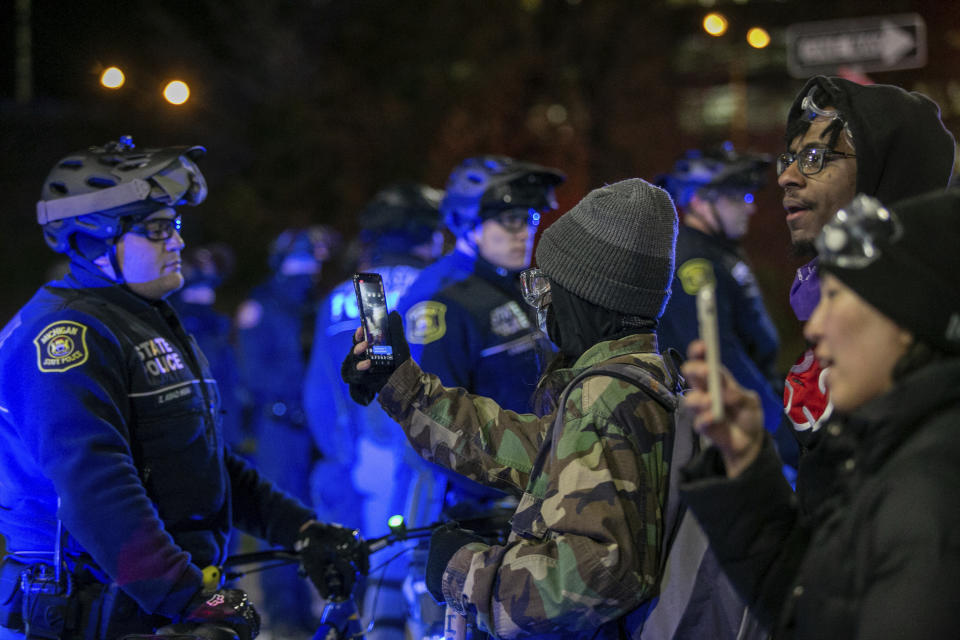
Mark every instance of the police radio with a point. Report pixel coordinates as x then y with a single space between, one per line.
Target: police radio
372 303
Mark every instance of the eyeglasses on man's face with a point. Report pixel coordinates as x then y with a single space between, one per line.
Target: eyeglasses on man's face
810 161
157 229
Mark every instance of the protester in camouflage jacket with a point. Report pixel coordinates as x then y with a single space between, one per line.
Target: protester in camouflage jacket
584 548
585 540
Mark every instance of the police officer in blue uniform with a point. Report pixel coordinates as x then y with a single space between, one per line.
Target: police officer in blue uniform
465 319
274 334
116 486
368 472
713 191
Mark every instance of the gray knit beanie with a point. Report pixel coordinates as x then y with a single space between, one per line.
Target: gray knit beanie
615 248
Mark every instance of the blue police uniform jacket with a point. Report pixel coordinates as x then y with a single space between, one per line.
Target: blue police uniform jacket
109 408
338 423
450 269
335 420
748 338
479 334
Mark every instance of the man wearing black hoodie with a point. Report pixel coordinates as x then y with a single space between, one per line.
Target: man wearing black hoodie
842 138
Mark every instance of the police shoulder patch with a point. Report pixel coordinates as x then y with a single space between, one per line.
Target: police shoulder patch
61 345
426 322
693 274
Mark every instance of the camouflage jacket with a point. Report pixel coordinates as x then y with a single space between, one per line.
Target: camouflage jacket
586 537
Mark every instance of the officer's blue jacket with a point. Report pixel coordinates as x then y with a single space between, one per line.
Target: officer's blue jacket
338 423
479 334
748 338
108 406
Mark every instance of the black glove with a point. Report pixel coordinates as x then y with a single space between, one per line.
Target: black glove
224 608
365 385
331 556
444 543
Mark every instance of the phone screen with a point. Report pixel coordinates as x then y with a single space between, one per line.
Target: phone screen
373 314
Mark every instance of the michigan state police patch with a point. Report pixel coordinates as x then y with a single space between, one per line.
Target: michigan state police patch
61 345
425 322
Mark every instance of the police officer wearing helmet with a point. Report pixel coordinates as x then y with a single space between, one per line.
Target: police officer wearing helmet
368 472
714 190
115 485
465 318
274 334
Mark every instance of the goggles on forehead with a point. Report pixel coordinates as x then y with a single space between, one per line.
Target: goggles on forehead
853 238
535 287
811 110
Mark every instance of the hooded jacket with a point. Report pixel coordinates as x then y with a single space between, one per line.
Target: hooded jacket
903 150
902 147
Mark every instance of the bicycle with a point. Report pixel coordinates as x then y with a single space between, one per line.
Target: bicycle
340 619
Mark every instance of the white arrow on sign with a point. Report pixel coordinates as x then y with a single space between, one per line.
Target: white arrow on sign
869 43
888 43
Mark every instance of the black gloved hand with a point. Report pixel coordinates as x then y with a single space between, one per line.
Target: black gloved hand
331 556
365 385
444 543
224 608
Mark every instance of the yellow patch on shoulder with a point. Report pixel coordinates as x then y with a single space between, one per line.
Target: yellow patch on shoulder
426 322
694 274
61 346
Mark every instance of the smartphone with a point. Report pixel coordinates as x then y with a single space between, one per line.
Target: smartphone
372 303
710 334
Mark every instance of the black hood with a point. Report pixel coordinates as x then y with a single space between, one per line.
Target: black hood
902 147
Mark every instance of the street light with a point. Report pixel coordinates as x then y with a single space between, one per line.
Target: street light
112 78
758 38
715 24
176 92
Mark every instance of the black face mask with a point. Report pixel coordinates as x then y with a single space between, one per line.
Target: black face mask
574 324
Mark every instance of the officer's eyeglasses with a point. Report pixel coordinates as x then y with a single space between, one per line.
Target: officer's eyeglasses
853 238
535 287
157 229
809 161
515 220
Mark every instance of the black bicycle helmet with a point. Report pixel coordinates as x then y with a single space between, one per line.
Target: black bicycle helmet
481 187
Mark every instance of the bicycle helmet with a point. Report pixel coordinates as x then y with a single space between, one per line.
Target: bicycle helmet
406 212
315 242
718 169
89 195
483 186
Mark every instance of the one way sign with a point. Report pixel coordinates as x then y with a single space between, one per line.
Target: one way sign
877 43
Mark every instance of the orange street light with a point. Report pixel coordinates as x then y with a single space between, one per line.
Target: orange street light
715 24
176 92
758 38
112 78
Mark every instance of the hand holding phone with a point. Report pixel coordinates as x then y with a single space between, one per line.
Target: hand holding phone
372 303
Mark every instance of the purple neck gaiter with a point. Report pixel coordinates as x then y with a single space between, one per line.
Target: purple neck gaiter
805 292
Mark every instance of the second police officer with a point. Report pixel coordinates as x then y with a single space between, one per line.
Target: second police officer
465 317
714 191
